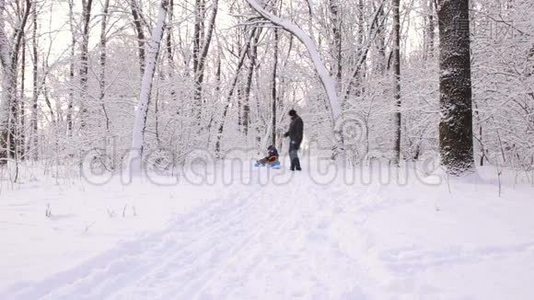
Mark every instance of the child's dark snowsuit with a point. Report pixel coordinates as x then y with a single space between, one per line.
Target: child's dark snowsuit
271 158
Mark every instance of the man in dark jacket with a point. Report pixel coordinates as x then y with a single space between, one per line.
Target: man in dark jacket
295 133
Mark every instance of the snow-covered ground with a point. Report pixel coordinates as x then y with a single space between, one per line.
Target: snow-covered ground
276 236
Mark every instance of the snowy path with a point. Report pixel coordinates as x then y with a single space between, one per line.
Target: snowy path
241 247
309 241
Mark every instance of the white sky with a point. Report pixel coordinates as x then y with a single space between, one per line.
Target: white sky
55 18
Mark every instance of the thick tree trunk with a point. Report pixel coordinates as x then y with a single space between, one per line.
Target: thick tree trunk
456 126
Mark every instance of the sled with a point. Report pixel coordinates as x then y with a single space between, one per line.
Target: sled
275 165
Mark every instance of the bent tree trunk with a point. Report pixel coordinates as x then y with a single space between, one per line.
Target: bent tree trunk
456 125
152 49
327 81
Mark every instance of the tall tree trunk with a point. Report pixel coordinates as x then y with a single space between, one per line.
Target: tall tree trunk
381 43
232 91
35 95
253 55
153 48
197 40
7 87
376 26
201 45
84 64
21 140
170 57
337 37
9 57
274 93
103 57
397 77
429 31
70 105
138 26
456 125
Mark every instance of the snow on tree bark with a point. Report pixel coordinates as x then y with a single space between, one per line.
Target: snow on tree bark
152 49
456 128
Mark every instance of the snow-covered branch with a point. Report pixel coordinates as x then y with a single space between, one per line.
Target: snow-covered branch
328 82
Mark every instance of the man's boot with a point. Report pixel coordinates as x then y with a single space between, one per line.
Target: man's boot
297 164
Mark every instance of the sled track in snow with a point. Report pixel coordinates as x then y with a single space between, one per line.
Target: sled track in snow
227 248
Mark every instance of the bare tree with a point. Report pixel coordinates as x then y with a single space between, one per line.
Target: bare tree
138 26
70 104
35 96
153 49
328 82
202 42
397 78
84 62
231 92
9 57
253 55
274 83
103 57
429 38
337 37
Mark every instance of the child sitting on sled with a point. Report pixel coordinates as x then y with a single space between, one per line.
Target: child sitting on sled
271 159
